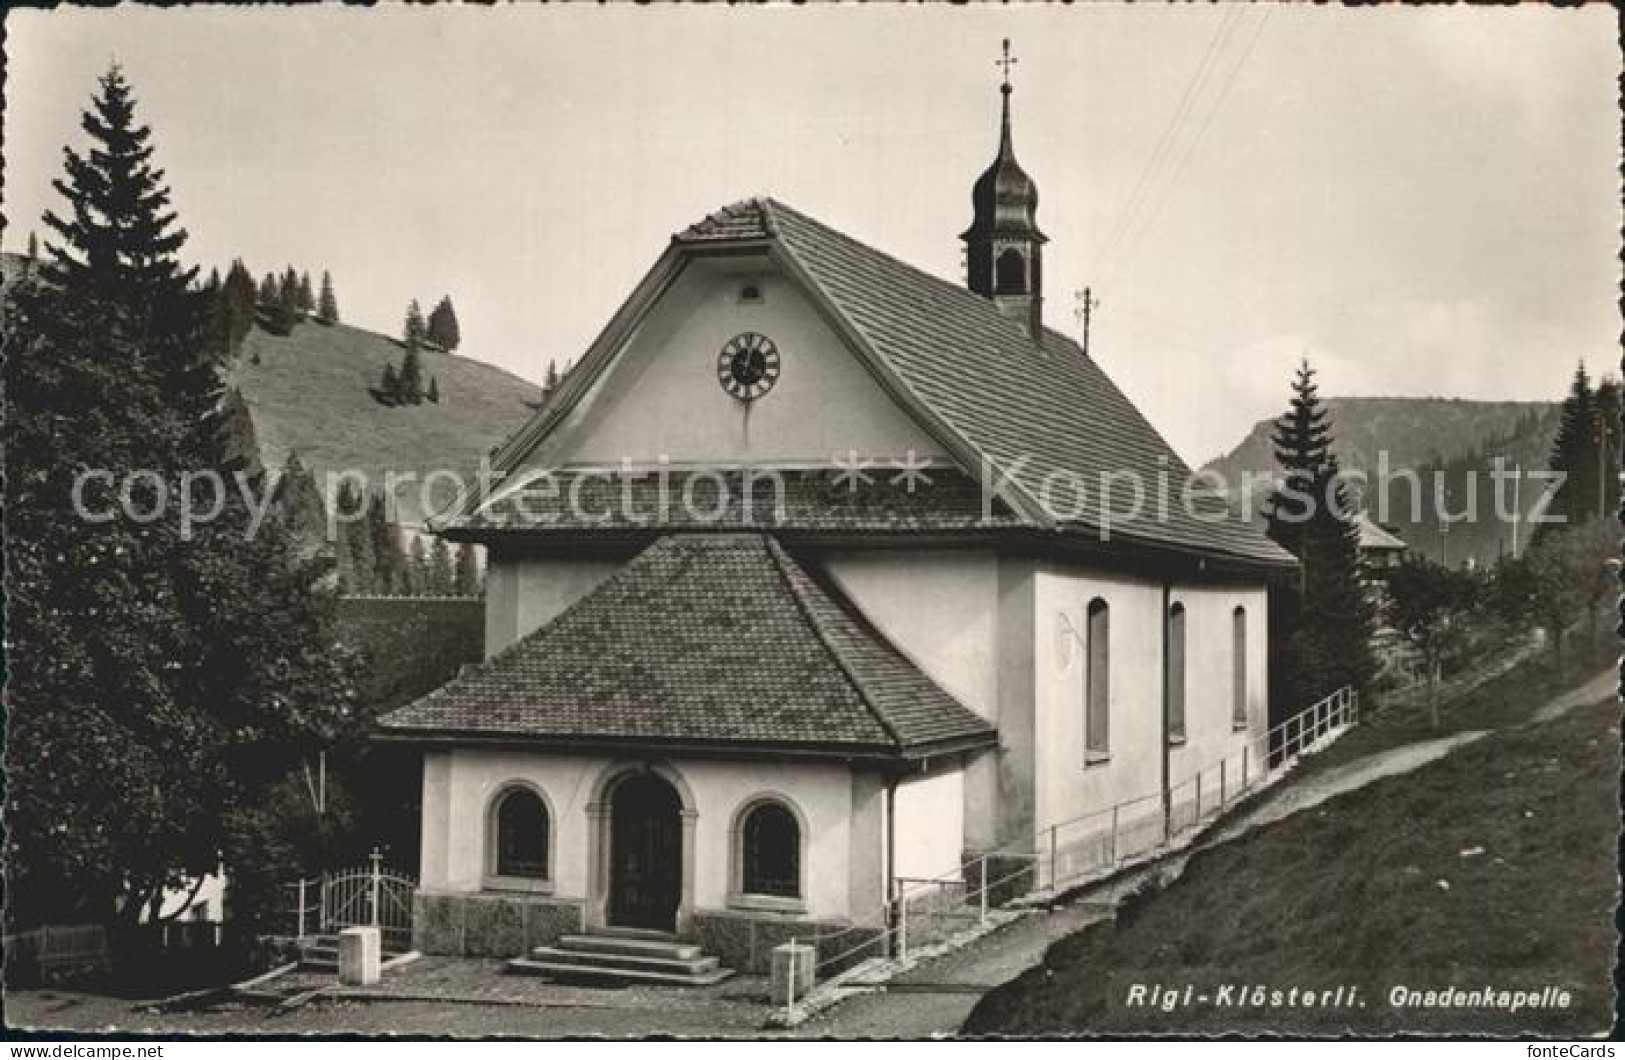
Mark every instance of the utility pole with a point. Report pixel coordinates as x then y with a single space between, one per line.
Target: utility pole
1087 303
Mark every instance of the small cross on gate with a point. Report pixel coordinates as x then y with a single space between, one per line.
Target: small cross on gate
1007 62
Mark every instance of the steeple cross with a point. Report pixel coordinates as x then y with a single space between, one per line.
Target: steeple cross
1007 62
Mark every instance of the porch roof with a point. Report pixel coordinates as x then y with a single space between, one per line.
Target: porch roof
703 641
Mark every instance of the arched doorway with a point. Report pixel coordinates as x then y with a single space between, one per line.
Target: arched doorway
645 853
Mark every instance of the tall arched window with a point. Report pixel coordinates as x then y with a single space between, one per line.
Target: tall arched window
770 852
1176 673
520 835
1098 684
1010 274
1238 667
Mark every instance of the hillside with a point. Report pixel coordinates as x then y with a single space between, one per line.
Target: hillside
309 391
1451 445
1413 431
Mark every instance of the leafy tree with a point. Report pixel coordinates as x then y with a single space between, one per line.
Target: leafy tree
466 577
162 674
327 306
1431 607
414 330
1561 580
442 329
1325 628
434 390
440 581
411 377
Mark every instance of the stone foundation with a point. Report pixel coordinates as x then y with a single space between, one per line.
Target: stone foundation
490 924
745 941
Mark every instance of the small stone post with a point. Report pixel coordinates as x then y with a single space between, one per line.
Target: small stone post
360 956
792 973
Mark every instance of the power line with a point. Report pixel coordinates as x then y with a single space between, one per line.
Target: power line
1190 148
1181 112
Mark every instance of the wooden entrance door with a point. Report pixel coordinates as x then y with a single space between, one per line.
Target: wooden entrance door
645 853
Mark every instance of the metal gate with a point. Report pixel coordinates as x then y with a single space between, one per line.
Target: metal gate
364 896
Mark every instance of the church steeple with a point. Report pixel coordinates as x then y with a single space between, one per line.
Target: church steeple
1003 246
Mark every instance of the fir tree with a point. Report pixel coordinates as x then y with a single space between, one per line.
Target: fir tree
419 574
354 544
389 387
1578 454
327 306
434 390
306 299
33 248
389 562
165 671
1326 626
411 377
288 299
414 330
441 577
550 382
269 292
443 330
466 577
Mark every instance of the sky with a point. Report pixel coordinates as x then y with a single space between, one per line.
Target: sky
1421 201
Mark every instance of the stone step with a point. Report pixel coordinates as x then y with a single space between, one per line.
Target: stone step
581 972
630 946
583 958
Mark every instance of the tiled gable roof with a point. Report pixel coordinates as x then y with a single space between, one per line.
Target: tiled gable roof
702 640
1041 411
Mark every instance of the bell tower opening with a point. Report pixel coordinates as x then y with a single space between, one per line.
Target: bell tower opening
1003 246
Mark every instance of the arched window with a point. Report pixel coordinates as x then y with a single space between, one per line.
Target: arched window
1010 275
520 835
1097 684
1176 673
1238 667
770 852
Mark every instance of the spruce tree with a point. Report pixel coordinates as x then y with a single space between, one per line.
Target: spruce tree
288 298
269 292
466 577
550 382
389 387
434 390
411 377
307 299
1575 457
237 305
160 672
354 544
1325 627
414 330
33 248
327 305
443 330
419 574
388 560
441 577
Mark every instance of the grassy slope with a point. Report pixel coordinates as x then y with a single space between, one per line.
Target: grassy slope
309 392
1350 892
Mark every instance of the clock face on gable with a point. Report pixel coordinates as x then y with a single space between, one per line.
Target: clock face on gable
748 366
